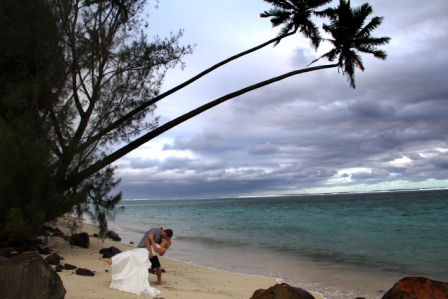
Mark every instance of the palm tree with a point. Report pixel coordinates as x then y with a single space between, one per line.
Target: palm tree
295 15
350 36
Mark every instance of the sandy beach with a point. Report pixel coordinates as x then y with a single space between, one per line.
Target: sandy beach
181 280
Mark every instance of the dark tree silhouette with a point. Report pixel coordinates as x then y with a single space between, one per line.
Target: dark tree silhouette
350 37
295 15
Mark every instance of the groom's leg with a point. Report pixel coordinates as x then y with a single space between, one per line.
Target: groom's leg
155 264
159 275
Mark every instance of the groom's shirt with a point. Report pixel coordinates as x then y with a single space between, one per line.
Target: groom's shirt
156 235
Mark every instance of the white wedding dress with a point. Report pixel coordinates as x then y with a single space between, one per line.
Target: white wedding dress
129 271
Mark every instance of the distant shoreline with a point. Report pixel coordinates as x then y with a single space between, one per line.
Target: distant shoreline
301 194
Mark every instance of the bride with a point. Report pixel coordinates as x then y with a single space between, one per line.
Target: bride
129 269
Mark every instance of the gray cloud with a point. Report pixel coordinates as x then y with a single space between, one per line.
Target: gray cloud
308 131
264 149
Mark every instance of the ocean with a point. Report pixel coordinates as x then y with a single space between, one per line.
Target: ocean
339 245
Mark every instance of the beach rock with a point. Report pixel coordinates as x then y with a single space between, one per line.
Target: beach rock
113 235
46 230
107 255
58 233
53 259
45 250
282 291
84 272
81 240
28 275
109 252
6 252
69 267
114 250
418 288
36 242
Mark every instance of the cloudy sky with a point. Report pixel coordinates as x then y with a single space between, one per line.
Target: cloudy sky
308 133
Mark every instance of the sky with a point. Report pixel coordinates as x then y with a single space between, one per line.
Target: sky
310 133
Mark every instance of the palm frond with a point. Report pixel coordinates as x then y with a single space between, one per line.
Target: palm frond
348 70
371 41
359 16
372 25
317 3
295 15
284 4
285 30
357 61
380 54
350 36
326 13
310 30
330 56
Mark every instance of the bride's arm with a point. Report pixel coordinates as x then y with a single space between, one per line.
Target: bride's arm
160 250
148 247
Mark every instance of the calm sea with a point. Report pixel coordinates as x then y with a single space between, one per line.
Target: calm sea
342 245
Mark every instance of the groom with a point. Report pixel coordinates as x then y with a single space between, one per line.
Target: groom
158 234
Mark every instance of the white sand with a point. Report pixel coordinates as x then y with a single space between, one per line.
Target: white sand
181 280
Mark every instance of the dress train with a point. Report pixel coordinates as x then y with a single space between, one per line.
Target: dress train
129 271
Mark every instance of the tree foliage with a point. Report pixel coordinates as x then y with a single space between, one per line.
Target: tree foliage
29 72
350 36
84 79
295 15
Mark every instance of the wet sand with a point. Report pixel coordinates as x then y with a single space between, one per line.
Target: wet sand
181 280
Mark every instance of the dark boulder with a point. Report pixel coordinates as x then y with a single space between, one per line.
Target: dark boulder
113 235
69 267
37 242
81 240
418 288
114 250
46 230
6 252
28 276
282 291
84 272
53 259
107 255
58 233
45 250
110 252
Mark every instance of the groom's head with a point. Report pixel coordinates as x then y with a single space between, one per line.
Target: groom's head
166 233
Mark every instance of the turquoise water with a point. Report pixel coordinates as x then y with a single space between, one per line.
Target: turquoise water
339 245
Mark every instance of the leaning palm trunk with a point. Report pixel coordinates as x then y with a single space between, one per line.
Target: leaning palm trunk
156 132
153 101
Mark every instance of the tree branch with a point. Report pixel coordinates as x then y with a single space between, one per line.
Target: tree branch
150 135
173 90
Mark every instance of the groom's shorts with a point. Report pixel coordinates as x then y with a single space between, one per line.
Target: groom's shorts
155 262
